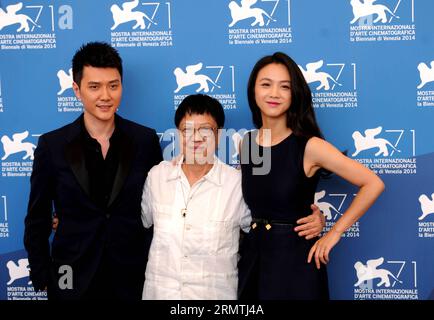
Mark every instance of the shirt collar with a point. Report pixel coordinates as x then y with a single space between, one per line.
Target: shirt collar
88 138
214 175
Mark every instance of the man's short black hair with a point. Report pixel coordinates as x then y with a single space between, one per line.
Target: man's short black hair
95 54
200 104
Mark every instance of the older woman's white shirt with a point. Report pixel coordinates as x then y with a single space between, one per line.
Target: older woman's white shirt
193 257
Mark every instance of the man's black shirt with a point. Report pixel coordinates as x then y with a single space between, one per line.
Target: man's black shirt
101 171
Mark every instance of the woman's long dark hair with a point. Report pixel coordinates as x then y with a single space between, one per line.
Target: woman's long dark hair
300 115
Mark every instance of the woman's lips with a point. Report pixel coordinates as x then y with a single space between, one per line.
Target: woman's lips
272 104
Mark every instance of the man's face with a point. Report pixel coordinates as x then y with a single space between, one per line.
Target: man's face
100 92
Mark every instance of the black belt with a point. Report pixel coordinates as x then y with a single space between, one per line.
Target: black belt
268 223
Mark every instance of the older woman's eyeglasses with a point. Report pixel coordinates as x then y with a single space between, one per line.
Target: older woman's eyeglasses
205 132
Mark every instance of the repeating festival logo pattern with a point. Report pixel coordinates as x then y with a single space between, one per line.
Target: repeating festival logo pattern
426 216
17 158
33 26
332 206
381 20
66 99
333 85
425 97
259 22
386 151
215 80
36 43
141 24
377 279
15 283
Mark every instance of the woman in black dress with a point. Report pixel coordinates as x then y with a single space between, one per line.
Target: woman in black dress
275 263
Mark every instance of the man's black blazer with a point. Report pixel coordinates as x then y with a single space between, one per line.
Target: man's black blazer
60 183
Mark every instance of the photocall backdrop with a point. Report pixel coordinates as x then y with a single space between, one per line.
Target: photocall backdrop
370 65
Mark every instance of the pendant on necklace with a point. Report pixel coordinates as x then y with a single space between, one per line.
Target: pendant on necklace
184 212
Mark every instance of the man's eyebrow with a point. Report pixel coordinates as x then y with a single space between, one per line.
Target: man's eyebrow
99 82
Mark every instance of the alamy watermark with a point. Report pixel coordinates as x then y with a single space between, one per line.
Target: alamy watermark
230 141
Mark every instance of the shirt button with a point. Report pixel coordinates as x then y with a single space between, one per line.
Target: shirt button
188 227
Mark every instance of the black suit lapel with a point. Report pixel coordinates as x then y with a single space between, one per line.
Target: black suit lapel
74 154
126 153
75 157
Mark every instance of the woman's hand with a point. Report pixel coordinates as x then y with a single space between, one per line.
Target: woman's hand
321 249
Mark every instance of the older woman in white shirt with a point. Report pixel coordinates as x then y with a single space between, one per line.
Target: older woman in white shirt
197 210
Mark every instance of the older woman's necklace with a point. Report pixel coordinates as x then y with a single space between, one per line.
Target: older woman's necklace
186 202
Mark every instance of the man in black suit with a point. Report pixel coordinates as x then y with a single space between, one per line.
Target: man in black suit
91 173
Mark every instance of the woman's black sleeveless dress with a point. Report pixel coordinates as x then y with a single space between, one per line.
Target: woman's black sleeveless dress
273 262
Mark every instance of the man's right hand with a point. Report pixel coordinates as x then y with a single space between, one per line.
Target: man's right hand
55 222
312 225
